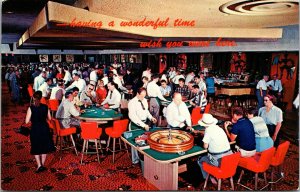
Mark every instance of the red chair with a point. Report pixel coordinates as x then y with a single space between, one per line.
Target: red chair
63 133
207 108
227 169
90 131
44 101
115 132
30 92
278 160
52 126
257 164
196 115
53 105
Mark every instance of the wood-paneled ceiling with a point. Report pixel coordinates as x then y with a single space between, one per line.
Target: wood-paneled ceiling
238 20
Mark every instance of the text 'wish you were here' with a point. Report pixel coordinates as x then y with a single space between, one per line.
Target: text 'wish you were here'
154 24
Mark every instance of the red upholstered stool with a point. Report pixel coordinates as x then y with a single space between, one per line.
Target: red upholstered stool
90 131
277 161
115 132
63 133
227 169
257 164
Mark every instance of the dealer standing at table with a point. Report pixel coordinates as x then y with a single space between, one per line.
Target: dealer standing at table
155 95
139 114
113 97
177 114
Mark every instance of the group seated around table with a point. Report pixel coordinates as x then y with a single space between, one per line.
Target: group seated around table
254 131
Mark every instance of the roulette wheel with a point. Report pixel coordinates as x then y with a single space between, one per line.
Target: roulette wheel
170 141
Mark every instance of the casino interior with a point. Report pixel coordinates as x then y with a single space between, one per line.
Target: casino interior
150 95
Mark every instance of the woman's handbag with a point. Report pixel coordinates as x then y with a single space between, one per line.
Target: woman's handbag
25 129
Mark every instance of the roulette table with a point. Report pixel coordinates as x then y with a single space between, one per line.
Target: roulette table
162 168
100 115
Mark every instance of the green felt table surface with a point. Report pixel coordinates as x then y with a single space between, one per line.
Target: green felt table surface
95 112
159 155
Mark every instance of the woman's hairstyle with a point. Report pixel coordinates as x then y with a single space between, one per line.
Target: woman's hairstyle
36 98
271 98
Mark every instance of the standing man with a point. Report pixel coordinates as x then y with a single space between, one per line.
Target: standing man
58 91
67 78
275 87
261 91
215 140
94 75
39 80
155 95
44 88
78 82
178 115
243 131
139 116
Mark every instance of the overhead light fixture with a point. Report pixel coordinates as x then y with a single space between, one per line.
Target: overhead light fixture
9 12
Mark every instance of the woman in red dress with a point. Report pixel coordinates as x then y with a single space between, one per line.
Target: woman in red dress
101 91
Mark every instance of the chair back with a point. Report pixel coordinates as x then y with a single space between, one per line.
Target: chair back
52 125
229 164
120 126
57 126
53 104
280 154
30 90
89 130
196 115
207 108
266 158
44 101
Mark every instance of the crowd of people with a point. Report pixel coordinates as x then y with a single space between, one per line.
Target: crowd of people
254 130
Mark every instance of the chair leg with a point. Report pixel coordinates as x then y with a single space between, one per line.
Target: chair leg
108 142
256 179
100 146
114 149
272 177
231 182
74 145
219 184
82 152
97 150
120 143
265 178
205 184
241 175
60 147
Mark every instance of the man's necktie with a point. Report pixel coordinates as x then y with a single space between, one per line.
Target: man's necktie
110 96
142 104
274 82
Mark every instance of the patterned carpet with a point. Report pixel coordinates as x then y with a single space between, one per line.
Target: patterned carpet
18 166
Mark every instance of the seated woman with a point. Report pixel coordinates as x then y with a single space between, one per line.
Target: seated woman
262 137
101 91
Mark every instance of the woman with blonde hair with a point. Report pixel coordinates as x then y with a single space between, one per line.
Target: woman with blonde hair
40 137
